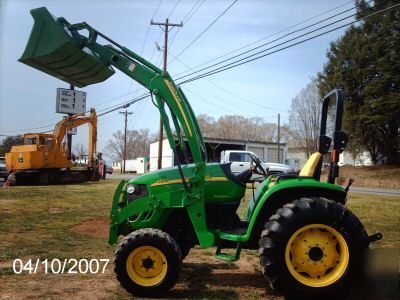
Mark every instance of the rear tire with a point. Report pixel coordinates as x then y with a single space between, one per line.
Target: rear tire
312 247
147 262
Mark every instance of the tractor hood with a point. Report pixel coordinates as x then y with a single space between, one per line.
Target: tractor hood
164 175
220 183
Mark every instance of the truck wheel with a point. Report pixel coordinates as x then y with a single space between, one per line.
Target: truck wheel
147 262
312 247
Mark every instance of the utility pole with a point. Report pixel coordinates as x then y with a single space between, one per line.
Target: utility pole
167 27
125 113
69 136
279 138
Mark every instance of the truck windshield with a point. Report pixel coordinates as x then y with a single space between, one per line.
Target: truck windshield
238 156
242 157
30 141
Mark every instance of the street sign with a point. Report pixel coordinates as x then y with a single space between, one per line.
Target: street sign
70 101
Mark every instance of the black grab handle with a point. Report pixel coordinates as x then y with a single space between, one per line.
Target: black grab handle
339 110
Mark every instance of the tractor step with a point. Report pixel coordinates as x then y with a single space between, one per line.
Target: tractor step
375 237
226 256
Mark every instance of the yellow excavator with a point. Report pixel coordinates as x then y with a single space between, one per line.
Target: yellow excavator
43 158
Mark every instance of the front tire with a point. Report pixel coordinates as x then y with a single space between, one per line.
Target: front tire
147 262
312 246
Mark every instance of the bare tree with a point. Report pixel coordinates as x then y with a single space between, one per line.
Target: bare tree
137 144
241 128
305 115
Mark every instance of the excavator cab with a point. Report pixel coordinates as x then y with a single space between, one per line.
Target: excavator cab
41 140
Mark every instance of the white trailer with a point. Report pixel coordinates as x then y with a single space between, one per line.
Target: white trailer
139 165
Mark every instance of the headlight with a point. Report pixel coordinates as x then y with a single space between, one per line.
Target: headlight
136 191
131 188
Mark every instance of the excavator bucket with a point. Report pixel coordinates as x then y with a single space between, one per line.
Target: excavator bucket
53 49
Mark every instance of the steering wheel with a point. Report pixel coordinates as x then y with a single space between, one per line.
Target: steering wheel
257 167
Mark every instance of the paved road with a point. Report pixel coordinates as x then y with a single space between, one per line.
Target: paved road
375 191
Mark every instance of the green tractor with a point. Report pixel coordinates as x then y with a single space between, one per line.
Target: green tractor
308 241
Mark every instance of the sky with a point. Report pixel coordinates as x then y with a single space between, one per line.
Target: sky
28 96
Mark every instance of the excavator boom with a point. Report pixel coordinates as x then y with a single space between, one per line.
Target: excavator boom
70 122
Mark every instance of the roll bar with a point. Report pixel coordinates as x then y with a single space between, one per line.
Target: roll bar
339 137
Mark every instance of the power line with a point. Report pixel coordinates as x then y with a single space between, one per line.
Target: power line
114 98
121 105
192 68
56 118
145 103
230 92
223 68
125 105
192 11
210 102
211 94
166 27
205 29
186 19
271 35
173 9
148 27
279 38
28 129
237 63
145 39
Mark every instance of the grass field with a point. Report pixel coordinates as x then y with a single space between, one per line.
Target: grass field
72 222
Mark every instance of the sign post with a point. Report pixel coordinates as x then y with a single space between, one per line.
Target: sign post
71 102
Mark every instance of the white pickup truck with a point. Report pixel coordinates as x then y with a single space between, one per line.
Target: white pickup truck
241 161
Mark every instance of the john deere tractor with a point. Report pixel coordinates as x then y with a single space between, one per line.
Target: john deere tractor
307 240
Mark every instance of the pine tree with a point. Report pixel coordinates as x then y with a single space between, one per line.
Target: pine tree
365 64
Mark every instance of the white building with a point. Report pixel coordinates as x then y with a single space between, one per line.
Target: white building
362 159
296 157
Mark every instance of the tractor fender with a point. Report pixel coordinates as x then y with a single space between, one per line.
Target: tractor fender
281 194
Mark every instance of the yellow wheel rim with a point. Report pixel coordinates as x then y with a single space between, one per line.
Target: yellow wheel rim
146 266
317 255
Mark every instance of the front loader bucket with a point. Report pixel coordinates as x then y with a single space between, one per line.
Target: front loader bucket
53 49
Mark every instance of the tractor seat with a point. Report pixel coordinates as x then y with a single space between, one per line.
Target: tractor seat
311 167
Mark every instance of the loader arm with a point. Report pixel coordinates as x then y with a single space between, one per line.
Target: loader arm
72 53
60 49
71 122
